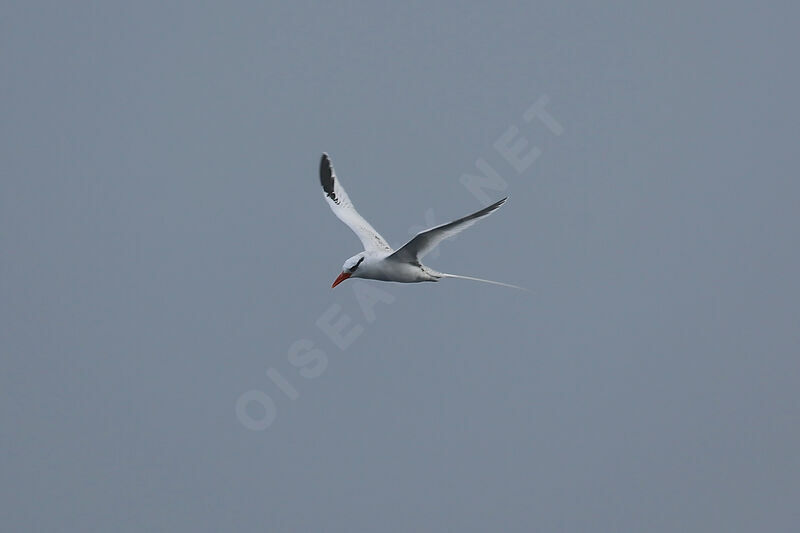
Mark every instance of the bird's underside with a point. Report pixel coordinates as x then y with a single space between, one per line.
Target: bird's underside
378 260
390 269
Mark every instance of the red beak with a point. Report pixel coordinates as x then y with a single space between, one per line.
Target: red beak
343 276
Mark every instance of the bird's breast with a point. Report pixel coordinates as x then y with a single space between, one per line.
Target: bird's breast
388 270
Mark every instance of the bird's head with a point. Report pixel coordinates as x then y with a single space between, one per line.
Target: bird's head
350 268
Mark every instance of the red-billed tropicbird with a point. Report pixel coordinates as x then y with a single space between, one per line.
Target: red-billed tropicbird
378 260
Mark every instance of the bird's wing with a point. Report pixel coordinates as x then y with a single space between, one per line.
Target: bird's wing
343 208
425 241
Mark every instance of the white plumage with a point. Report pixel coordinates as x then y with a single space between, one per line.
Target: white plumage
378 260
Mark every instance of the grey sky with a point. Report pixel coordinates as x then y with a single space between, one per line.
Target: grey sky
165 243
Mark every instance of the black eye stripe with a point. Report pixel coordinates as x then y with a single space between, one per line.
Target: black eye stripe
356 265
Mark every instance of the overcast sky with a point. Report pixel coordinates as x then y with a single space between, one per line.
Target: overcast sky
174 359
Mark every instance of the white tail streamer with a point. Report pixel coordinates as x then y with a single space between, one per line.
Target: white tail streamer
484 281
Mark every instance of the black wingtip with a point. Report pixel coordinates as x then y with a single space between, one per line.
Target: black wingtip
498 203
326 176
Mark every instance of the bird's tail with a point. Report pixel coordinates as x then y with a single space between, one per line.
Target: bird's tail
442 274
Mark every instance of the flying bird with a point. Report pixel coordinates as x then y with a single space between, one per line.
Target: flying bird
378 260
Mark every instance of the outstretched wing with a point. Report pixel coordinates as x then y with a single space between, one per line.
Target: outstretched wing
427 240
343 208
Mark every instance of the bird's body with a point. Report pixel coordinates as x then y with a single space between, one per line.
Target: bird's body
379 261
385 267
